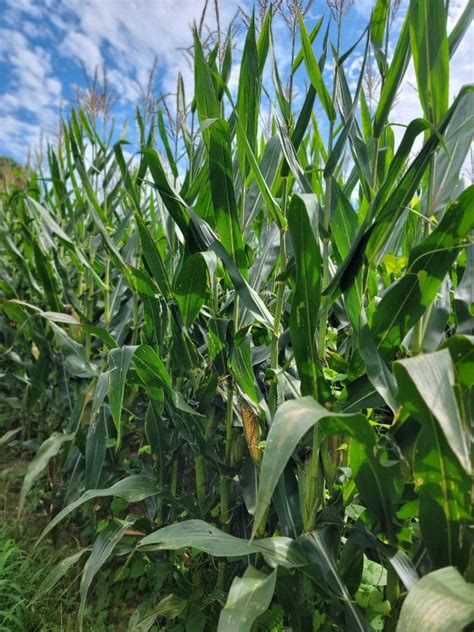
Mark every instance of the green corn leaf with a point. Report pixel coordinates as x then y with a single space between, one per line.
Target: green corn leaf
344 228
57 573
306 295
240 364
378 24
47 277
153 258
429 45
442 484
132 489
205 537
299 57
449 161
173 202
388 211
95 449
394 78
250 298
101 551
263 41
170 607
365 117
291 158
441 601
190 288
206 98
222 191
461 27
75 359
268 168
301 125
461 348
155 371
434 379
249 596
377 370
119 362
314 72
164 137
318 549
464 297
248 96
292 420
405 301
8 436
48 450
270 201
349 115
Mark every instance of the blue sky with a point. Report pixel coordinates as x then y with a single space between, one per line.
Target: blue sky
44 42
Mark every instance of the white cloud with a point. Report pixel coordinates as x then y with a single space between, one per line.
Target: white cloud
80 47
40 35
133 33
31 98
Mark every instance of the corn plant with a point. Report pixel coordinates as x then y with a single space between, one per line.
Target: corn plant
261 343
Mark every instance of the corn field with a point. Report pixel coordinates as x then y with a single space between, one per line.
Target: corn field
245 356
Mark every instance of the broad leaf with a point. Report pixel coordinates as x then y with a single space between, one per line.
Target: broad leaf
132 489
48 450
249 596
101 551
292 420
190 288
306 295
429 45
205 537
442 601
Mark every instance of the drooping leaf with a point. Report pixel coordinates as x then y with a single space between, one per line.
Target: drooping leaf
48 450
101 551
434 379
205 537
291 422
132 489
441 601
441 456
74 353
169 607
249 596
450 159
318 551
57 573
464 297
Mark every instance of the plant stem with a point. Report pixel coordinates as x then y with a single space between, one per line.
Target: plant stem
225 482
200 470
273 395
420 325
327 219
